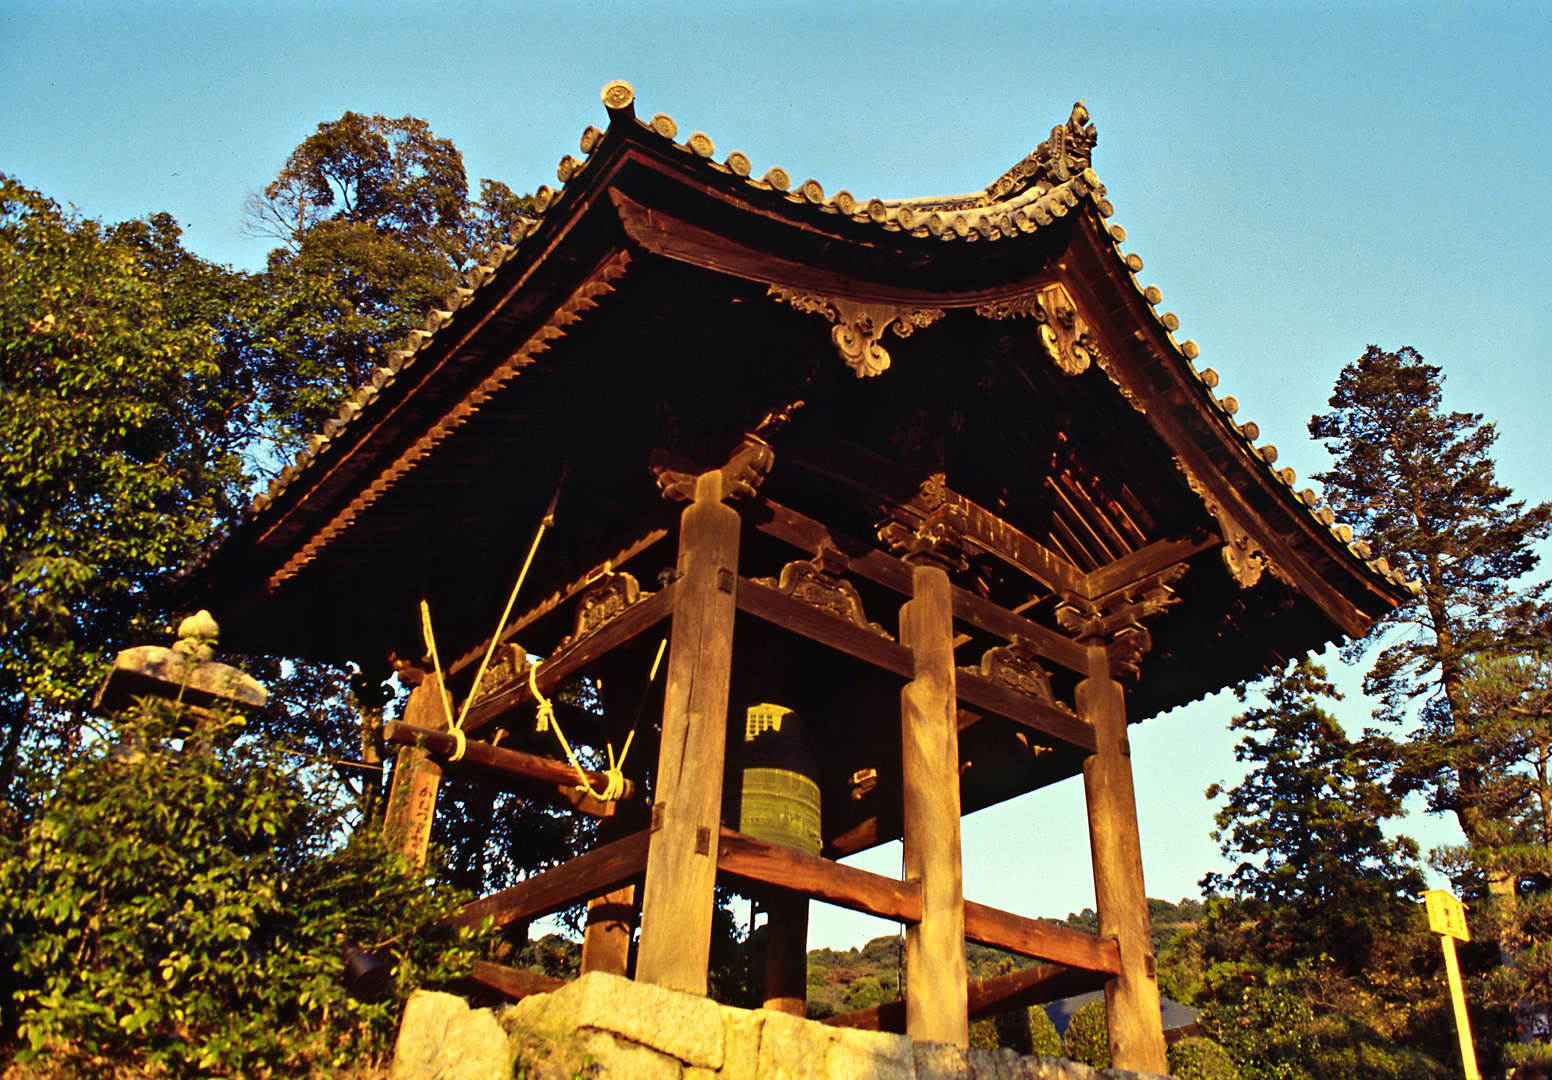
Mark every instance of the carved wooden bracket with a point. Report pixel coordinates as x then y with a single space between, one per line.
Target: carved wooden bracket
937 539
604 601
508 665
859 325
741 476
1015 667
1242 556
1066 335
1115 620
817 582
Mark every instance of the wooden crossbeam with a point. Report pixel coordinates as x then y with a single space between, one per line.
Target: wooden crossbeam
559 669
514 983
753 860
601 870
510 762
1017 989
1024 710
749 859
1157 556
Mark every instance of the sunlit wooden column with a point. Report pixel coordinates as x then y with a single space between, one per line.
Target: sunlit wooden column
412 796
1131 998
786 953
678 894
936 994
606 941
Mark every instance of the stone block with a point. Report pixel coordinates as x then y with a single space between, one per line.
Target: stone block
441 1038
792 1048
941 1061
611 1058
869 1055
682 1026
741 1042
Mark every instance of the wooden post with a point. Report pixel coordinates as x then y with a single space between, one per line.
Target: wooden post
936 999
1131 998
678 895
416 778
786 952
606 943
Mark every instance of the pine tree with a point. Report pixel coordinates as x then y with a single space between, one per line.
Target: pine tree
1419 482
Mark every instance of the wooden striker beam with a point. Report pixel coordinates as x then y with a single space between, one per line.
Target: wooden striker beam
1132 997
936 997
678 895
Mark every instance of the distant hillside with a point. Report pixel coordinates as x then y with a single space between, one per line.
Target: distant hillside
843 981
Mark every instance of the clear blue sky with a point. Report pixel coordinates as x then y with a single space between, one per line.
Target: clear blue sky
1301 179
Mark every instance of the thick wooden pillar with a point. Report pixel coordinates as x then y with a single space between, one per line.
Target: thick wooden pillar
678 895
606 942
936 998
786 953
416 778
1131 998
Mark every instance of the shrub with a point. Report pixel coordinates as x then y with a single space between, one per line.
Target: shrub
1198 1058
181 910
1088 1036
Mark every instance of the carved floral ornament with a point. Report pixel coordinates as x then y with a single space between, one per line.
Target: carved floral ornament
1066 335
859 325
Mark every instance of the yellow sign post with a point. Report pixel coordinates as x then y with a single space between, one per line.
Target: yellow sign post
1447 918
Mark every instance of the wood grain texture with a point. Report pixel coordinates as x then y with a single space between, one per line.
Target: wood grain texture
599 871
1132 997
513 982
1041 940
747 859
929 736
1017 989
678 897
607 939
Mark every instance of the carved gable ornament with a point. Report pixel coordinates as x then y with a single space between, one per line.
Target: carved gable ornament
859 326
1065 334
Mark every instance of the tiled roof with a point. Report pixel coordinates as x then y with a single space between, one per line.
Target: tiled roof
1047 185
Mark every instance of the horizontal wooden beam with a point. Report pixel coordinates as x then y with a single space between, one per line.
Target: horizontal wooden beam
647 535
1027 712
1159 555
514 983
1017 989
601 870
983 614
1041 940
560 668
483 755
816 624
753 860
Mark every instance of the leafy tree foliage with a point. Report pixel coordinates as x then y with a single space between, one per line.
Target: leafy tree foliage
1420 482
1315 864
117 445
375 224
1087 1038
179 904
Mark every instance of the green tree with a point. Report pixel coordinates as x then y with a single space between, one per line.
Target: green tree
1420 482
1315 866
1087 1038
117 444
375 225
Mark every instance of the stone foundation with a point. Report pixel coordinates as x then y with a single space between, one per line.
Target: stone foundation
609 1028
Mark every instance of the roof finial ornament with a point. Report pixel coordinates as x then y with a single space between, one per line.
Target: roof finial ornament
1061 157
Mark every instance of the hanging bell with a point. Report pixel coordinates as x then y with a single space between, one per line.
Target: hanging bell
779 801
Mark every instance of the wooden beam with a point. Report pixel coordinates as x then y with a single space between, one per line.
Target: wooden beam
786 952
806 620
607 939
599 871
647 535
560 668
745 858
515 983
1041 940
483 755
1026 711
805 533
679 895
929 770
1017 989
1159 555
994 619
